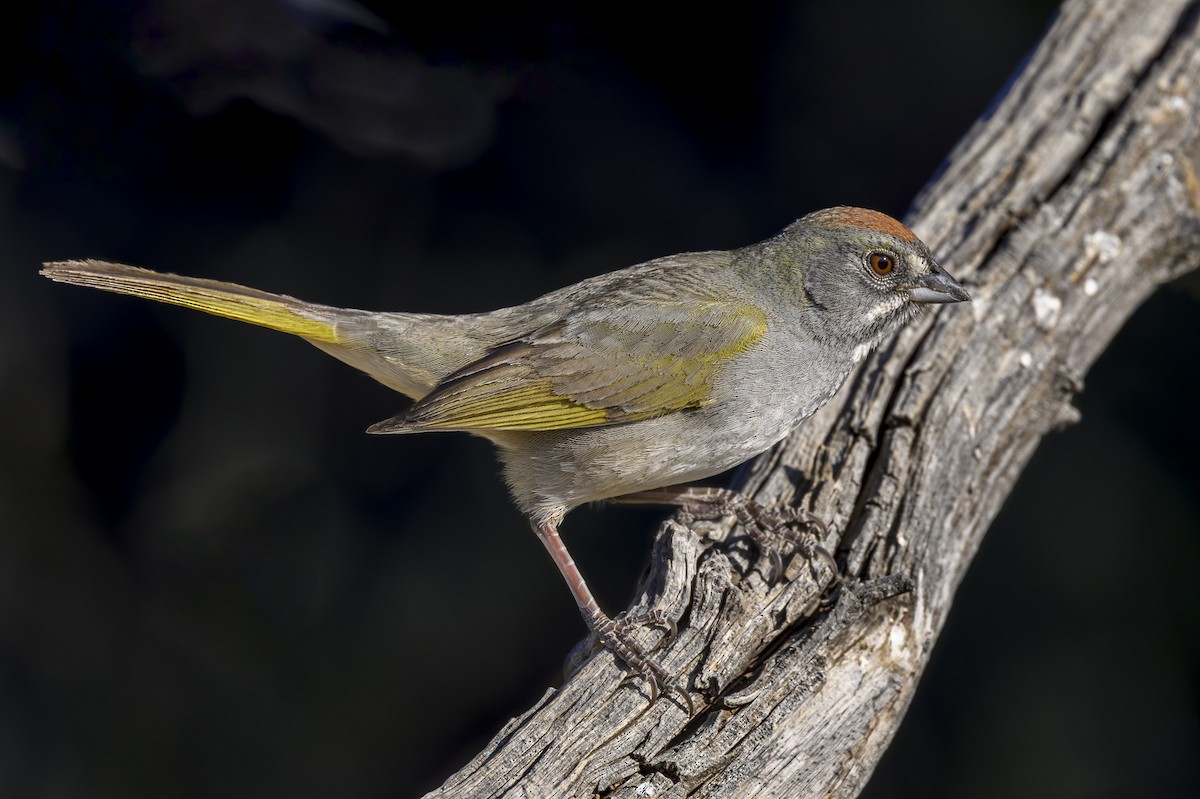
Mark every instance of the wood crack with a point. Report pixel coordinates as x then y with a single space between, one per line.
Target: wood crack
913 459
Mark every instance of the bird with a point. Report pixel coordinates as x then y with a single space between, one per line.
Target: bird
628 385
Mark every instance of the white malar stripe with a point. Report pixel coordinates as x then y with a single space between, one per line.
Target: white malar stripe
889 306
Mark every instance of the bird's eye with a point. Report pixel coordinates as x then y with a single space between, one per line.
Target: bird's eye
881 263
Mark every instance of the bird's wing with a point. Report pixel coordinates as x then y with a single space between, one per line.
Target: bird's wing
594 367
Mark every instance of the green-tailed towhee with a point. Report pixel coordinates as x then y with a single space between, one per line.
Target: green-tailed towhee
651 376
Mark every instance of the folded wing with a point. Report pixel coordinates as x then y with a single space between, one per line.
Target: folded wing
594 367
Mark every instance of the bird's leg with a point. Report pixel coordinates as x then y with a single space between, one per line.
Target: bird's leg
765 525
612 633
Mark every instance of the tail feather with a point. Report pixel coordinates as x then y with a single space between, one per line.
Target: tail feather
274 311
409 353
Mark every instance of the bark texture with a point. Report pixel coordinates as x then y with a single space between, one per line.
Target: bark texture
1062 210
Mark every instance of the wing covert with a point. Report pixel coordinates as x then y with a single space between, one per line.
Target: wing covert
596 367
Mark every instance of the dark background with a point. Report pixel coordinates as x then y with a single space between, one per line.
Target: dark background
212 583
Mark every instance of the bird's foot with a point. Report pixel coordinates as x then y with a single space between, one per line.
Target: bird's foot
614 635
768 527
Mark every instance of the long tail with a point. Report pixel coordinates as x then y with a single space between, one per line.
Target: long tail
275 311
408 352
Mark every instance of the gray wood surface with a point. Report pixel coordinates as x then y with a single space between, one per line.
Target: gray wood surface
1062 210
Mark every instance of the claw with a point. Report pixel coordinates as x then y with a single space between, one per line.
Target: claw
687 700
611 633
614 636
827 556
765 525
656 618
776 564
652 684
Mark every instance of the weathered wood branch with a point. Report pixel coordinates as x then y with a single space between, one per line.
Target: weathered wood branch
1062 210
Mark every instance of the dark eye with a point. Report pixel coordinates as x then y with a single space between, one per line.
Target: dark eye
882 263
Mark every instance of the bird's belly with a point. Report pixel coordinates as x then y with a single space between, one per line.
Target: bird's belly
549 473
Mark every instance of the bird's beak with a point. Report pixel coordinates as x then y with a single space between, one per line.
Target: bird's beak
937 286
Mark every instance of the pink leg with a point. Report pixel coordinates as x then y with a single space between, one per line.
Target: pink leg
612 634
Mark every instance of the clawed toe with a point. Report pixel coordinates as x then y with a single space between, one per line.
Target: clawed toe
816 530
614 635
653 618
769 527
654 686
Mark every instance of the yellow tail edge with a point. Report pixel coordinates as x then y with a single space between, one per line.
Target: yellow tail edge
274 311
